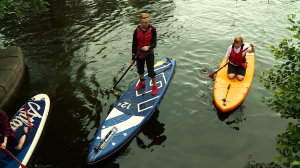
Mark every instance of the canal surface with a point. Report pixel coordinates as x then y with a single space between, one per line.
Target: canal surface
78 50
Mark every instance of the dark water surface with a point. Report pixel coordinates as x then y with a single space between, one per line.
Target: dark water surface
78 50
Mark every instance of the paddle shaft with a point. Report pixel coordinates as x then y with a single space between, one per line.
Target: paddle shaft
27 115
124 74
121 78
227 93
213 74
23 166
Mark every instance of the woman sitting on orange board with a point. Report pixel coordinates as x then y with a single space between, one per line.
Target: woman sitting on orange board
236 55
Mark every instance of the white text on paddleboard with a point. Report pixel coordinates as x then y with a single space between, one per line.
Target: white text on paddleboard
124 105
21 117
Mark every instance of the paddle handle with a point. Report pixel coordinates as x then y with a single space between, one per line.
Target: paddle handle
23 166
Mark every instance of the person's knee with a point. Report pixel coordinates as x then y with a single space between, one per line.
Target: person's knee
140 72
230 76
152 74
240 77
19 147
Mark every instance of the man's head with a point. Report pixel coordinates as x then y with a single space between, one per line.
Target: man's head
144 19
238 41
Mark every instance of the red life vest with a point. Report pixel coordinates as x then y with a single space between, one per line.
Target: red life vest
237 58
144 39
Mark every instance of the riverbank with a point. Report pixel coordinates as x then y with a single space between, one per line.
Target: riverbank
11 73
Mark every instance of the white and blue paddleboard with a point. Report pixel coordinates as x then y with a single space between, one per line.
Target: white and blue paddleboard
130 113
37 108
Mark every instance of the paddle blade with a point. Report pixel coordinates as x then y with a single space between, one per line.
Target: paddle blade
10 154
212 75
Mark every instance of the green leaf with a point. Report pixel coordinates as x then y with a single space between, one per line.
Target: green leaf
35 9
277 159
287 164
293 16
279 94
291 20
296 163
26 5
297 36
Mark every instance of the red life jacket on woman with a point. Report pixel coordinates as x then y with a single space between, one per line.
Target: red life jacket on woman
144 39
237 58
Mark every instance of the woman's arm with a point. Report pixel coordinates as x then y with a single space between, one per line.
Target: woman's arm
252 50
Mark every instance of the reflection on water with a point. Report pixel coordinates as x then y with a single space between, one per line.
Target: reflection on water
233 118
153 130
252 164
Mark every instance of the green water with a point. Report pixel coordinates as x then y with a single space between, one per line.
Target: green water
78 50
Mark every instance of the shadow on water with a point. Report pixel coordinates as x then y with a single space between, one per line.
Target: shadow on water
232 118
153 130
252 164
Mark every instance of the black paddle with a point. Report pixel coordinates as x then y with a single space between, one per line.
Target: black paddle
224 100
124 73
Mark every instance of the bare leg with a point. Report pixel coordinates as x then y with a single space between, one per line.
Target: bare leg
142 76
22 140
154 80
231 75
240 77
14 128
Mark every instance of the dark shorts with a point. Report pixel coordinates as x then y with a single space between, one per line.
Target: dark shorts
11 141
140 63
239 70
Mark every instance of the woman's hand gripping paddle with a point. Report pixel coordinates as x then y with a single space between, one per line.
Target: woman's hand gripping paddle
23 166
213 74
124 74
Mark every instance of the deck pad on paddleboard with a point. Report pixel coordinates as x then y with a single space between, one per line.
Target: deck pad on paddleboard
232 90
130 113
37 108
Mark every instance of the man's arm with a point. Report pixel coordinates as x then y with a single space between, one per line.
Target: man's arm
134 44
154 38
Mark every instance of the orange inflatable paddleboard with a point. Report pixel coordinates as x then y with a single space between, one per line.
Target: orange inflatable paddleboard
230 93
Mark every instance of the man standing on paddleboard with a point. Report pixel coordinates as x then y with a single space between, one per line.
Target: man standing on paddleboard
236 55
143 43
8 135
